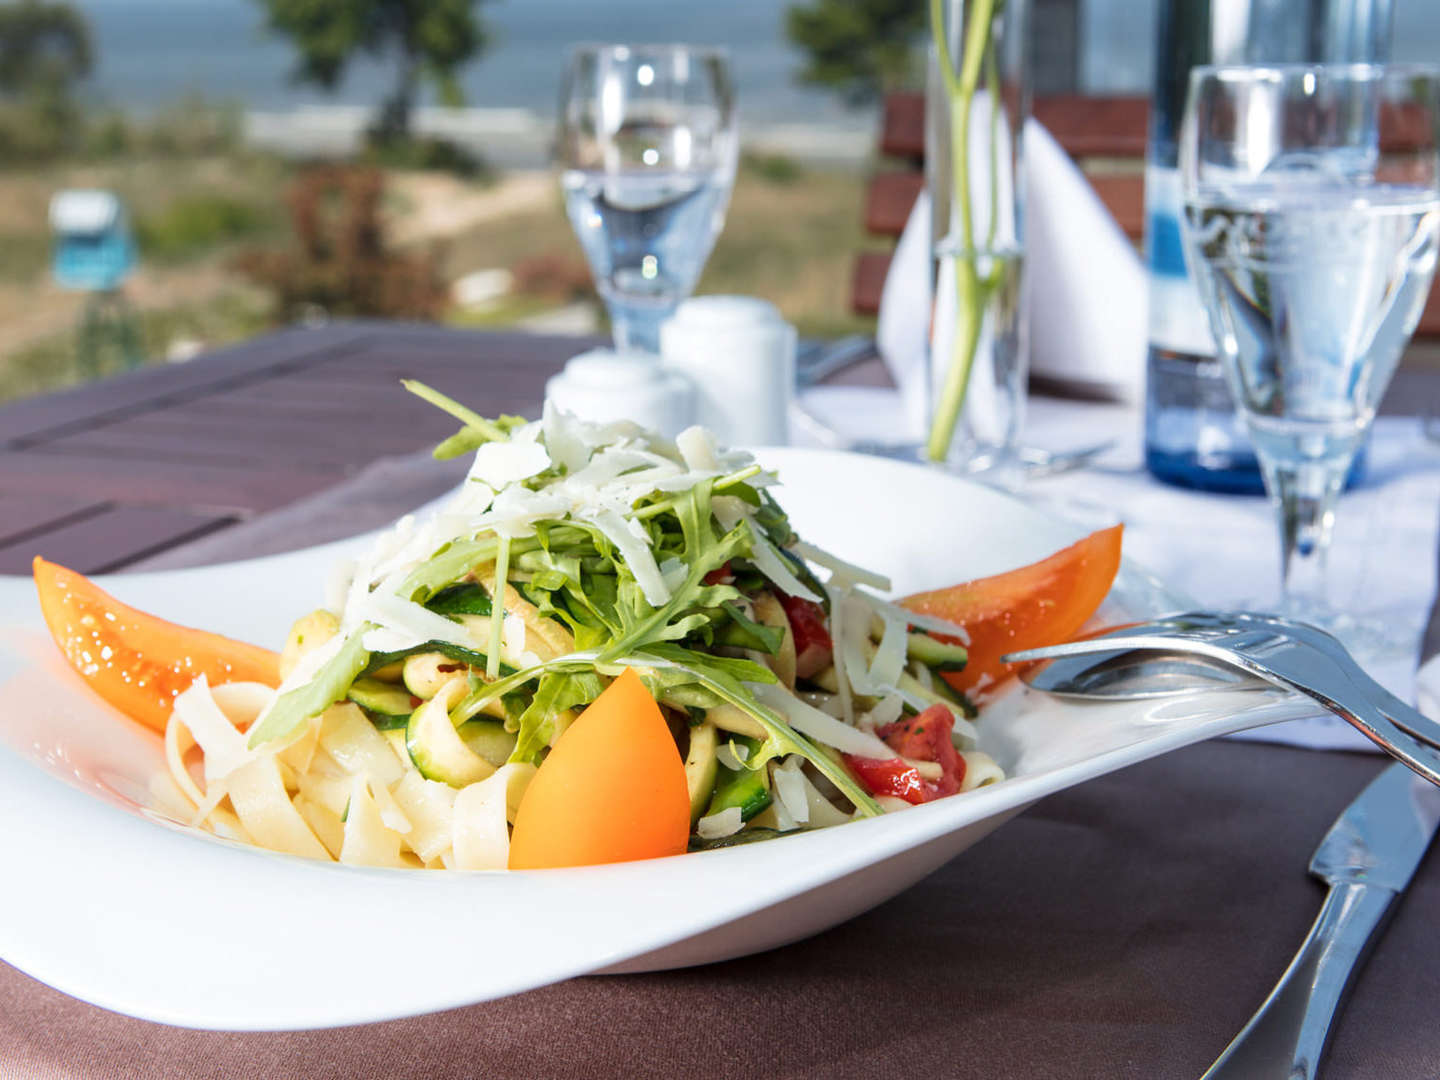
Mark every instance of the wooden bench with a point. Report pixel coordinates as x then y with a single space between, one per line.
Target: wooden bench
1105 136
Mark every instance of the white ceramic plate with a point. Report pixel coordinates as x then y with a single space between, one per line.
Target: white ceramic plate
106 901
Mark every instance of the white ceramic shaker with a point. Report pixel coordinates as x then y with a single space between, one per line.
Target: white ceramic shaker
740 354
603 386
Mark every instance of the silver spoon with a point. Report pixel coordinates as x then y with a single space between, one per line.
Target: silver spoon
1281 652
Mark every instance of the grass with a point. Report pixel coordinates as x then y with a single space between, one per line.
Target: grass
52 363
791 236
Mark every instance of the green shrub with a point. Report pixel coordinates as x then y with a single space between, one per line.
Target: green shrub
773 168
192 226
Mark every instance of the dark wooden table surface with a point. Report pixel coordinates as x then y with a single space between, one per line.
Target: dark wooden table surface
104 475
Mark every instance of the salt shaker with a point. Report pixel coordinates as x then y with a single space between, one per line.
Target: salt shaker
603 386
740 354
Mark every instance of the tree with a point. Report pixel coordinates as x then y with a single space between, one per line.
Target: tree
862 48
429 40
44 49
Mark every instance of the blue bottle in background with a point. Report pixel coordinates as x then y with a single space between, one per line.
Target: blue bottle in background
1193 436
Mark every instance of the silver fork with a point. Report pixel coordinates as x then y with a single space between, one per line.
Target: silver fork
1291 655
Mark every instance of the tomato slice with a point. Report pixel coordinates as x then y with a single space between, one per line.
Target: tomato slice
814 651
1040 604
134 661
924 737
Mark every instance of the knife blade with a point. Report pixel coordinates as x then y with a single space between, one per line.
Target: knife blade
1367 858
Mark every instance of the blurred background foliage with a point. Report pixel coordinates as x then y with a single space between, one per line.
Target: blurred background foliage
235 235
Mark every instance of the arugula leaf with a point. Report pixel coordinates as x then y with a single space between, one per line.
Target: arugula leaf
556 692
745 633
294 708
464 599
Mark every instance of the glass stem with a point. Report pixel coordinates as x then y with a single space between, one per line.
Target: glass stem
636 328
1304 497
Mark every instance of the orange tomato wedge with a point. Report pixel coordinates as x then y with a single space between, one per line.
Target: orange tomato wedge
1040 604
612 790
135 661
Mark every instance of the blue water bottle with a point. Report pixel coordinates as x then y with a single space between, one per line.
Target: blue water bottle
1193 436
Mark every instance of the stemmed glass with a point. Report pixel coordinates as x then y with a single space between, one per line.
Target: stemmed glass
647 144
1312 202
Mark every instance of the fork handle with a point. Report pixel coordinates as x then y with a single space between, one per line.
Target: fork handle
1286 1037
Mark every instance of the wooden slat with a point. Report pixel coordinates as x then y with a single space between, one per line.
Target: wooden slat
869 281
1124 197
1086 126
158 483
23 515
110 539
902 126
148 387
1100 126
154 438
889 200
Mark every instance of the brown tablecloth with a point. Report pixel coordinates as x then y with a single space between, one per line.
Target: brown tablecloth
1126 928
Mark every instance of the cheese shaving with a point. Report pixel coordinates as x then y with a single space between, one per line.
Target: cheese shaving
715 826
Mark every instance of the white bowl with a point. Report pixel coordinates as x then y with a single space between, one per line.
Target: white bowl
110 902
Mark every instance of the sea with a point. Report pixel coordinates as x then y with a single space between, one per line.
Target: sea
151 53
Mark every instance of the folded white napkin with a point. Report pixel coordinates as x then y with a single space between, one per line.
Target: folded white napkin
1087 288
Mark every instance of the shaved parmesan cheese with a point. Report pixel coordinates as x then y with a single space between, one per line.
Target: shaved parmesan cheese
729 510
915 618
725 823
889 662
847 571
837 636
563 438
500 464
773 565
811 722
886 711
391 612
697 447
851 635
636 553
790 789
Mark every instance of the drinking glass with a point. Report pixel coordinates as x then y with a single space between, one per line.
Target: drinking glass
1311 207
647 145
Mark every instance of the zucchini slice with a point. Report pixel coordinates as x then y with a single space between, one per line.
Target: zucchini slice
489 739
375 696
701 766
436 747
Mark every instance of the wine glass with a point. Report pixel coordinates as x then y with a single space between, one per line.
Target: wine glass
1312 202
648 145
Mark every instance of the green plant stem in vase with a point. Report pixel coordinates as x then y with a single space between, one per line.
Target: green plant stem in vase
972 289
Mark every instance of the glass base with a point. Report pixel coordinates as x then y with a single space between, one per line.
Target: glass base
1241 477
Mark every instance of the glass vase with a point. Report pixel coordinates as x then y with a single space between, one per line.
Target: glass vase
977 102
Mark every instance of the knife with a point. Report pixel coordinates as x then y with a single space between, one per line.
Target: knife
1367 858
